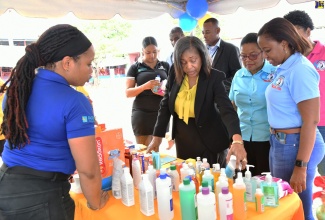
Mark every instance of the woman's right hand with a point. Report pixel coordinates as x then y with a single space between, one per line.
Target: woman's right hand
103 200
150 84
154 144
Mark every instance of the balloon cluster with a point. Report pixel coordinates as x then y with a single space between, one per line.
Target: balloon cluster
195 14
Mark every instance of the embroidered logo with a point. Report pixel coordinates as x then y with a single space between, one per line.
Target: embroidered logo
320 65
268 77
161 68
86 119
278 82
142 69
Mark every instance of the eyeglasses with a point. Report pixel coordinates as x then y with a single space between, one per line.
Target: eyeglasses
252 56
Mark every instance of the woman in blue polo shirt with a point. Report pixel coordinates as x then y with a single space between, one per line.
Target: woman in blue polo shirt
247 94
49 129
293 109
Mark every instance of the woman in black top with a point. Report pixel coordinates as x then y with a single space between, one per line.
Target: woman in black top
140 84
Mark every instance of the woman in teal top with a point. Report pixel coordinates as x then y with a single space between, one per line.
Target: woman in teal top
247 94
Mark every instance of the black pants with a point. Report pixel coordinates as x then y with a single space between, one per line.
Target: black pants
29 197
258 155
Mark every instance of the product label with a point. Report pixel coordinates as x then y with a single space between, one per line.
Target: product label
171 199
100 154
269 195
249 194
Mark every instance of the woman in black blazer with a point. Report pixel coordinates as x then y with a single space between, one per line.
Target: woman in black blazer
204 120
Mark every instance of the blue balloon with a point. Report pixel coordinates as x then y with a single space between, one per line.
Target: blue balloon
197 8
187 23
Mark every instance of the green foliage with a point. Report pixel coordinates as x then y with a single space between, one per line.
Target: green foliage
107 36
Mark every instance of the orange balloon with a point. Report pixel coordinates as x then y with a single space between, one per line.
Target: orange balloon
202 20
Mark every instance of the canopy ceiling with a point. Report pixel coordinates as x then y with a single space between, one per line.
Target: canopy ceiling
128 9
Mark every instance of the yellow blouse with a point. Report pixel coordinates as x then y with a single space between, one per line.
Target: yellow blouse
184 104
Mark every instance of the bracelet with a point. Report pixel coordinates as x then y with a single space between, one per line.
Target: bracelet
238 142
88 206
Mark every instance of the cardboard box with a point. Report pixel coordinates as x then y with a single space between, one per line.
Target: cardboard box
109 144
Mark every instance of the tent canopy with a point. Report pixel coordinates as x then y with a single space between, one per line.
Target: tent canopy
128 9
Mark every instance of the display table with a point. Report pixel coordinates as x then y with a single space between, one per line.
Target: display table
290 208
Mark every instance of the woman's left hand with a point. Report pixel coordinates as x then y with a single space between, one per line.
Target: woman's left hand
298 179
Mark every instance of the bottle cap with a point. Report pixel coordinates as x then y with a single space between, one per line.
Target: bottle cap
198 158
172 167
205 184
224 190
217 167
259 191
205 191
185 165
205 160
239 178
186 181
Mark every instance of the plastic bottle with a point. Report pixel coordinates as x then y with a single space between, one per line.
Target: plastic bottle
164 196
198 165
184 171
194 180
205 163
146 196
221 183
155 89
174 178
239 193
231 166
225 204
136 171
206 205
259 200
250 185
152 176
191 167
187 197
200 174
127 187
216 172
270 191
128 158
207 176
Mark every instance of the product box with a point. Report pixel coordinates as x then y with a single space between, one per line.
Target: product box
109 145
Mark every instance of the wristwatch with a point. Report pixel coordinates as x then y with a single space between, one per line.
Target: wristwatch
300 163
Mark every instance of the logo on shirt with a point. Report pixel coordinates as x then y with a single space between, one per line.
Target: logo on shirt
161 68
268 77
86 119
142 69
278 82
320 65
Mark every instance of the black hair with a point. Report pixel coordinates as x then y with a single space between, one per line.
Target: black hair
149 41
186 43
214 21
300 18
249 38
280 29
177 30
50 46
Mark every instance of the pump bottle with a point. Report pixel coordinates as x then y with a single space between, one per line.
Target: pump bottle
270 191
250 185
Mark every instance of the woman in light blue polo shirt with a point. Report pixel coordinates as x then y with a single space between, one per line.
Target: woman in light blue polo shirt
247 94
293 109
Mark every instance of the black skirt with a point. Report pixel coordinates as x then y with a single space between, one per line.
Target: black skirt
189 143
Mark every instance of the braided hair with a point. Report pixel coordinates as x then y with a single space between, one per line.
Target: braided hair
43 52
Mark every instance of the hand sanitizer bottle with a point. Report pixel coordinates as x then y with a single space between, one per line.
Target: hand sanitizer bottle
155 89
250 185
231 166
270 191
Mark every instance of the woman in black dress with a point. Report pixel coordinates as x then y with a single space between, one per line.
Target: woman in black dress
140 84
